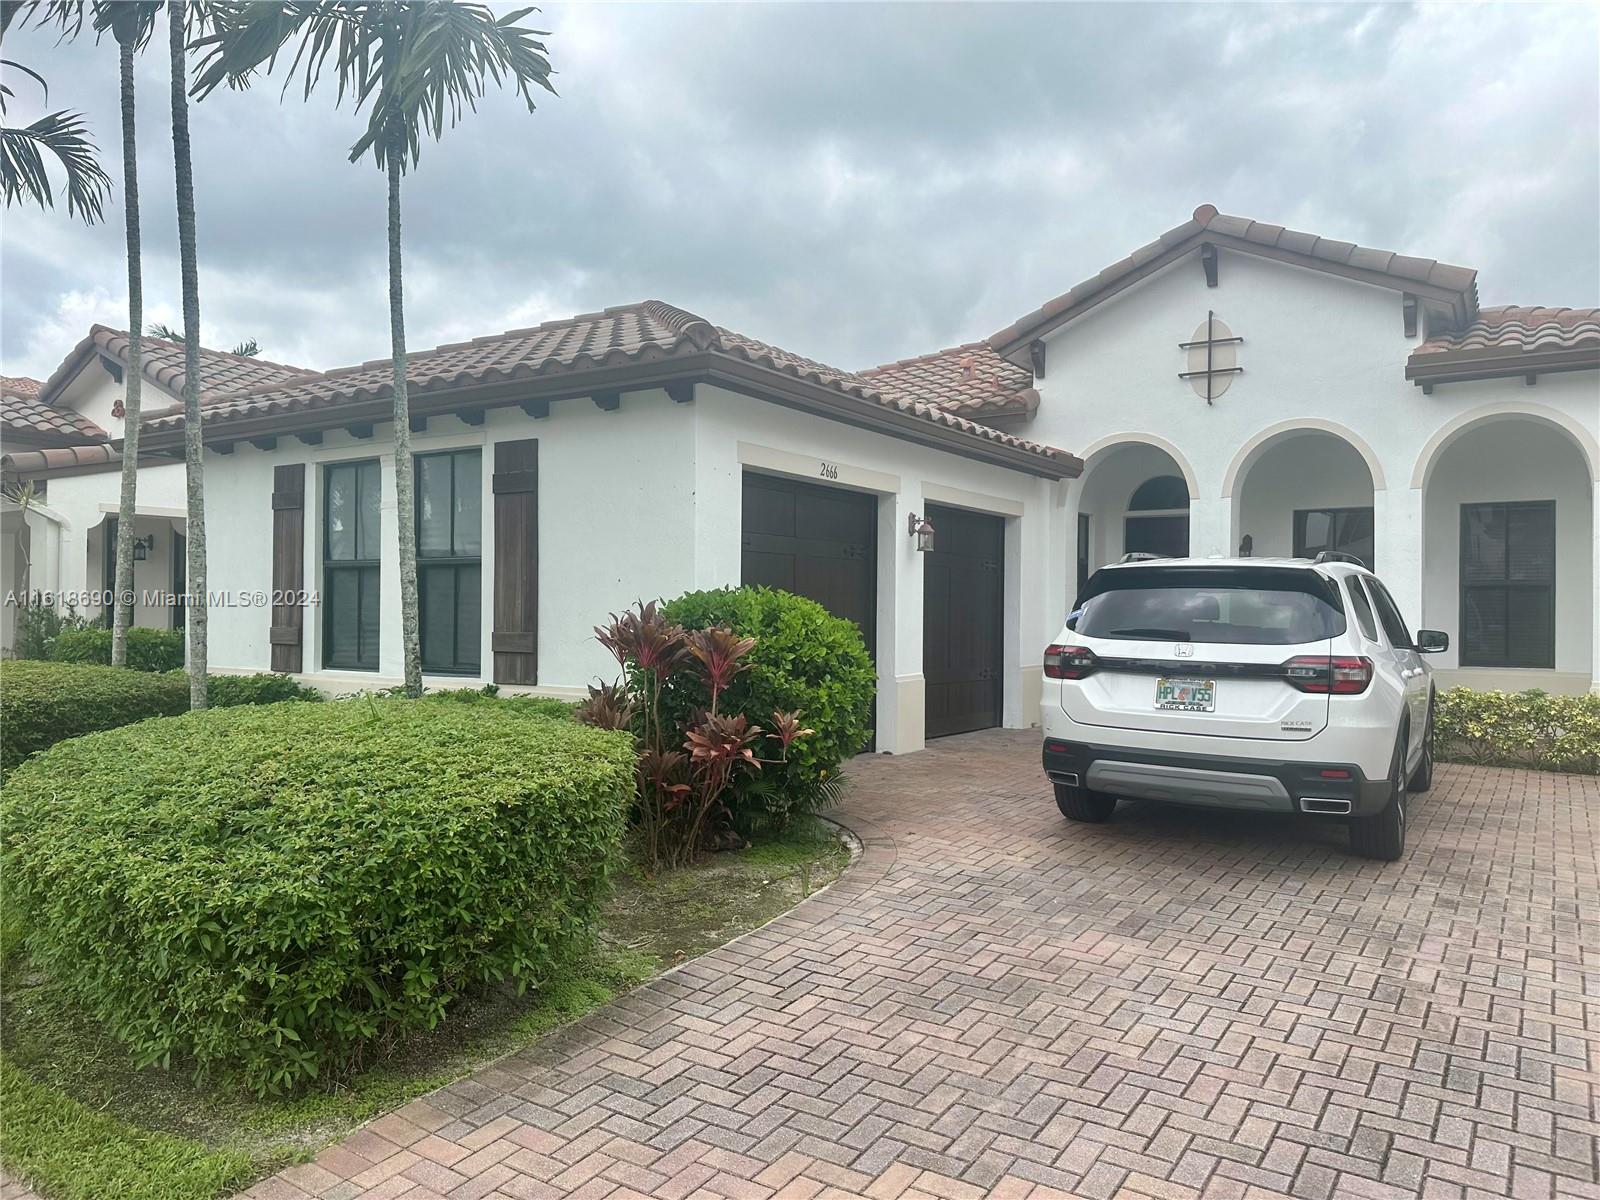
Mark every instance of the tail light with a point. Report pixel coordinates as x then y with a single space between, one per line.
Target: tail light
1331 676
1069 662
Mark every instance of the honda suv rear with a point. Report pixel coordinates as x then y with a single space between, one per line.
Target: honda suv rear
1273 685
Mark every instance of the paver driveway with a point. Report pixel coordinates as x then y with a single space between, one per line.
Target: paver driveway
994 1000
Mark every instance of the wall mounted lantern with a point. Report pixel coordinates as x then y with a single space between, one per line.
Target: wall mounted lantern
142 547
922 529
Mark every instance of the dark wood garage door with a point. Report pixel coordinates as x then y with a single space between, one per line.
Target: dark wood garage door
961 621
814 541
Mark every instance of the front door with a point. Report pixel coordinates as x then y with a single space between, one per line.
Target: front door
961 621
1167 536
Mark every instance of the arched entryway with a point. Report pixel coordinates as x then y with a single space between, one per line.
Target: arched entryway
1132 496
1301 491
1508 561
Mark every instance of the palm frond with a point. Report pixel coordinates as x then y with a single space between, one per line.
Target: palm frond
248 348
63 137
417 67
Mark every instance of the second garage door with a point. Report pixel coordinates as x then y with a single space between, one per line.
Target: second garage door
961 621
814 541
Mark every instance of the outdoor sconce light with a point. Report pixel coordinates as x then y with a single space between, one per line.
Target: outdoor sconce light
142 547
922 529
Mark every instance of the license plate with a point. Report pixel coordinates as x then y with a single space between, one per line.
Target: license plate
1187 695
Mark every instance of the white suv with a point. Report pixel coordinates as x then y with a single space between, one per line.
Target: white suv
1272 685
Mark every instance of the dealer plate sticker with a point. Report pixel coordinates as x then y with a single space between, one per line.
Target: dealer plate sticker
1187 695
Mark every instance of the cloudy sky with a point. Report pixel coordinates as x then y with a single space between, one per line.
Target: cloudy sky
854 182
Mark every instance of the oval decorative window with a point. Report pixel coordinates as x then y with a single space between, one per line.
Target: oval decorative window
1213 358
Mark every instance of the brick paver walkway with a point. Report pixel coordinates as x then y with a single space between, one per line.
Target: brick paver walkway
994 1001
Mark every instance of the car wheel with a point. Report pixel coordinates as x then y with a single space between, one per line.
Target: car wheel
1383 834
1422 778
1080 804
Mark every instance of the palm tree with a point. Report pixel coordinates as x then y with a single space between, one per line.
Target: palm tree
195 526
131 24
415 62
62 136
248 348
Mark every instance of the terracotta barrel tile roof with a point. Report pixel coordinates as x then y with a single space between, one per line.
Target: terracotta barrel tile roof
1510 340
161 362
24 415
645 332
1521 328
970 380
28 463
1242 233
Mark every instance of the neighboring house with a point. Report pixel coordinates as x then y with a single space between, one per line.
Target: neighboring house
1234 380
1232 383
65 435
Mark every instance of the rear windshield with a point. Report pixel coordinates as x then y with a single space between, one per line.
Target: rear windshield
1257 607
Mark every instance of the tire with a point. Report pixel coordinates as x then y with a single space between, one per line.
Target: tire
1422 778
1080 804
1383 835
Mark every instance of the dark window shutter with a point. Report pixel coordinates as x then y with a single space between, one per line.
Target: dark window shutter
516 561
288 565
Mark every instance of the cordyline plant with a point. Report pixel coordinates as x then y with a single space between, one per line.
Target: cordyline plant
684 772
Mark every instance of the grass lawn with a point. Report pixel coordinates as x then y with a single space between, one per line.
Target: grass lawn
78 1122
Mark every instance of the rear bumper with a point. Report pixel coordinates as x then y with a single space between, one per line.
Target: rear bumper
1213 781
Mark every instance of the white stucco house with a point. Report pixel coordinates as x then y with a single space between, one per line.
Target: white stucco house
1230 387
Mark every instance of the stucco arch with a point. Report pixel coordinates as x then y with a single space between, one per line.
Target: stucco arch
1253 448
1505 411
1113 441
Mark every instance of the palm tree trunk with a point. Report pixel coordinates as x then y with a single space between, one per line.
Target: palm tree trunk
404 488
123 599
195 533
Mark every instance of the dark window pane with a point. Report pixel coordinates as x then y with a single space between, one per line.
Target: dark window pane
469 612
1530 636
433 504
342 601
437 592
370 539
469 504
1164 491
1483 627
370 600
1483 543
340 504
1531 543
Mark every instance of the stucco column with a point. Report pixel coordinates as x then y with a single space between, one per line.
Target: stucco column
1210 527
1594 608
1397 521
902 724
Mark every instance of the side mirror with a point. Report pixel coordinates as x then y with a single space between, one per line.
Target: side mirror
1432 641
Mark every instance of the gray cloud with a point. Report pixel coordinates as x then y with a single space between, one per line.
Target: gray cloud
855 182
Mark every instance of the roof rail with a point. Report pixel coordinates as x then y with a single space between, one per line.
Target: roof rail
1140 556
1328 556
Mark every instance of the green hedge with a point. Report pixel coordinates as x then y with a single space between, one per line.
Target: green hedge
228 691
805 658
148 649
274 893
1518 729
41 703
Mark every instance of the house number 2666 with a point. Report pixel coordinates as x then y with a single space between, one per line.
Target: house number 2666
830 470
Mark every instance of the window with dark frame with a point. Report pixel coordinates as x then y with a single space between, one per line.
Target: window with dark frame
1508 584
450 560
351 542
1345 530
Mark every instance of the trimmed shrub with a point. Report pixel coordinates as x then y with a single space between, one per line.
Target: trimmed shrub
148 649
488 695
1518 729
276 893
42 703
804 659
228 691
39 625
